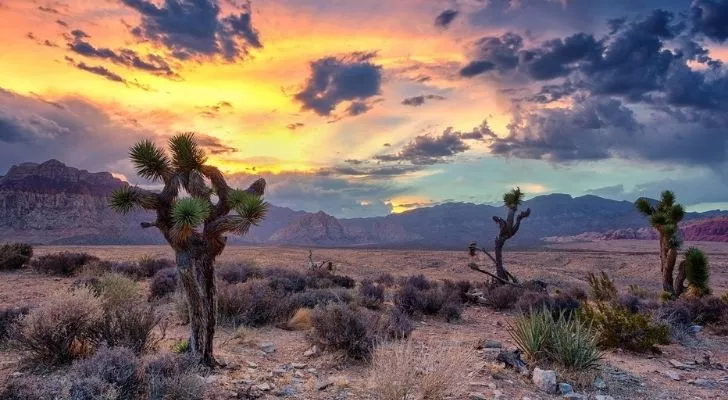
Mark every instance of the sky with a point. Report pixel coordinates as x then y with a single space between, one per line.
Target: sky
368 107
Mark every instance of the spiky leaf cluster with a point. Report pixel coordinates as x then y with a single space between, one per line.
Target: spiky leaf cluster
513 198
124 199
149 160
697 270
187 155
664 216
187 214
249 206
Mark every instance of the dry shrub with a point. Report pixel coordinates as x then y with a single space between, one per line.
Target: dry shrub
617 327
109 370
602 287
15 255
8 317
393 325
370 295
503 297
173 377
253 303
148 266
406 370
341 327
62 328
238 273
301 320
64 263
163 283
385 279
34 387
418 296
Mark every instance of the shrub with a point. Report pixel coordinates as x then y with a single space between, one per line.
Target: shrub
395 324
253 303
569 342
418 281
409 299
531 333
503 297
618 327
8 317
705 310
34 387
181 347
238 273
457 291
418 296
451 311
697 271
323 278
341 327
114 368
564 303
285 280
602 287
630 303
62 328
385 279
148 266
371 295
64 263
312 299
638 292
163 283
15 255
117 290
171 376
577 293
129 269
130 325
533 302
97 267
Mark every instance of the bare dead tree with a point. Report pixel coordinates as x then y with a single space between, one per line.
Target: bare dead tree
507 228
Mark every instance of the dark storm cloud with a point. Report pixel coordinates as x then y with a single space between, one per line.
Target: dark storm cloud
417 101
494 52
192 28
434 149
152 63
387 171
357 108
689 191
69 129
476 68
334 80
710 17
555 58
445 18
105 73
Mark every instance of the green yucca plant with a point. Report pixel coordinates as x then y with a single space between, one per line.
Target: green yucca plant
573 344
195 226
697 271
602 287
531 333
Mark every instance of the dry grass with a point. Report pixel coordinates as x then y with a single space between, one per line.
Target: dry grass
405 369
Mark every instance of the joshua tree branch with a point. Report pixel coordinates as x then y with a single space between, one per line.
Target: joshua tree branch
523 215
148 224
475 267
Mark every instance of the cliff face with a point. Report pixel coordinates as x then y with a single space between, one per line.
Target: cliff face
50 202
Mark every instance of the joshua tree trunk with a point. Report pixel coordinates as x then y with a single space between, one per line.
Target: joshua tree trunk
500 271
198 280
679 284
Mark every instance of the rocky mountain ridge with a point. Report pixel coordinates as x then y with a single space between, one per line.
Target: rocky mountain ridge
53 203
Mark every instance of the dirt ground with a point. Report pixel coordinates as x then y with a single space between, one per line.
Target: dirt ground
628 376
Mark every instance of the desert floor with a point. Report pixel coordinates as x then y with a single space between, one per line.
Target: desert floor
628 376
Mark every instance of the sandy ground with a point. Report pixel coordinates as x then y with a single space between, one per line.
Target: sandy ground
629 376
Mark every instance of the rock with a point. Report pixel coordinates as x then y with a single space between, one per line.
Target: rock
705 383
322 384
477 396
251 364
311 352
286 391
679 365
311 370
488 344
603 397
279 371
565 388
298 374
211 379
675 376
298 365
545 380
264 387
267 348
513 359
599 383
478 383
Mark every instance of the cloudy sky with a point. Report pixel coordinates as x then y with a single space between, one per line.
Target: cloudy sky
367 107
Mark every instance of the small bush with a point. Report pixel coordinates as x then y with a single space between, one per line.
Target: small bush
630 303
697 272
577 293
457 291
64 263
8 317
393 325
34 387
181 347
418 296
163 283
707 310
370 295
531 333
409 299
530 302
418 281
62 329
171 376
385 279
130 325
602 287
253 303
323 278
638 292
503 297
117 290
341 327
97 268
15 255
312 299
116 368
239 273
617 327
129 269
148 266
285 280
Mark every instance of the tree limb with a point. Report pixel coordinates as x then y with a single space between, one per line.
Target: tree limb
521 216
148 224
475 267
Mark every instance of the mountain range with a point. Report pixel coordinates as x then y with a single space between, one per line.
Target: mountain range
51 203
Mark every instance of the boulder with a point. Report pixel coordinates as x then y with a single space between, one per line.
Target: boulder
545 380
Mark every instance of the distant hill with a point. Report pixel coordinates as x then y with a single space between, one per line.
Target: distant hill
55 203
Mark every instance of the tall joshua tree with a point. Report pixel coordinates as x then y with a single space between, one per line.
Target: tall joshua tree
664 217
195 226
507 228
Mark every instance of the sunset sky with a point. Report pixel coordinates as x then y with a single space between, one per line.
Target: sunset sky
368 107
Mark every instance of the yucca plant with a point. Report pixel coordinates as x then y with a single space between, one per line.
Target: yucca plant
664 217
507 228
697 272
574 344
531 333
194 226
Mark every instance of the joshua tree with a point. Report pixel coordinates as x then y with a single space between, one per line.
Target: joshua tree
664 217
194 226
506 229
697 271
